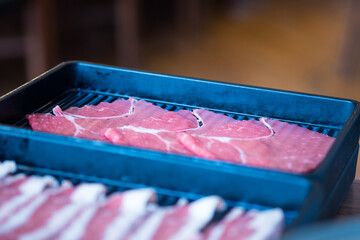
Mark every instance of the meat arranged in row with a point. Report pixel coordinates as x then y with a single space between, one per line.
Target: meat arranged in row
265 143
34 207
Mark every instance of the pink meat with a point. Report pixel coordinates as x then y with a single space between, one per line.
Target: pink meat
116 108
179 222
238 225
14 193
157 133
112 219
47 214
209 121
88 121
270 144
266 143
17 192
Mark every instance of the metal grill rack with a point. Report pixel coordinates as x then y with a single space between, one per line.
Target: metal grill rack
80 97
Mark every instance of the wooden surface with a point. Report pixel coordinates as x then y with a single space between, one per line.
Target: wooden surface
351 205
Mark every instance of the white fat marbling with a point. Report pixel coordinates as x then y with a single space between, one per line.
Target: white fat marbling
12 179
88 193
7 167
267 224
12 204
136 200
219 229
200 213
57 221
150 226
79 225
22 216
36 184
121 225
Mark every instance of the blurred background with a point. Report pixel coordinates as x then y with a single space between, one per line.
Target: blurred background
306 46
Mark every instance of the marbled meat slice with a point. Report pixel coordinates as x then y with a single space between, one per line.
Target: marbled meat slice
267 144
157 133
251 225
88 121
50 212
178 222
212 120
103 109
19 191
111 219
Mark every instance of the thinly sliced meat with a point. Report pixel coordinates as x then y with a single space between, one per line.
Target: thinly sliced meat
116 108
87 122
157 133
19 191
189 116
275 145
15 191
220 142
209 120
12 179
50 212
266 143
113 219
6 168
179 222
252 225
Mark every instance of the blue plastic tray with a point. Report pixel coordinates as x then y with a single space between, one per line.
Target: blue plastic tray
305 197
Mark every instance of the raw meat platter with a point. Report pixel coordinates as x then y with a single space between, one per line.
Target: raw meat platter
304 196
34 206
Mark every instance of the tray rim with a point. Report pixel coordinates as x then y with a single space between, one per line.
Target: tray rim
344 131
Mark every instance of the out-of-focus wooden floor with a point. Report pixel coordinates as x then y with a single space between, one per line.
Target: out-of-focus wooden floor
291 45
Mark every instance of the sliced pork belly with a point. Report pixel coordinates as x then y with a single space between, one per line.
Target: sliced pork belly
88 121
269 144
157 133
50 212
19 190
112 219
178 222
252 225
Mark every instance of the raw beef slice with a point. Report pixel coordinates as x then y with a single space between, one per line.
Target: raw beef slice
268 144
157 133
88 121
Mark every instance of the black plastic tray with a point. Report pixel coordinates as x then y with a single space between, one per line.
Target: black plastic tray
305 198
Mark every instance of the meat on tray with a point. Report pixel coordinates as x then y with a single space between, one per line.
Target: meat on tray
112 219
253 224
184 221
265 143
35 207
